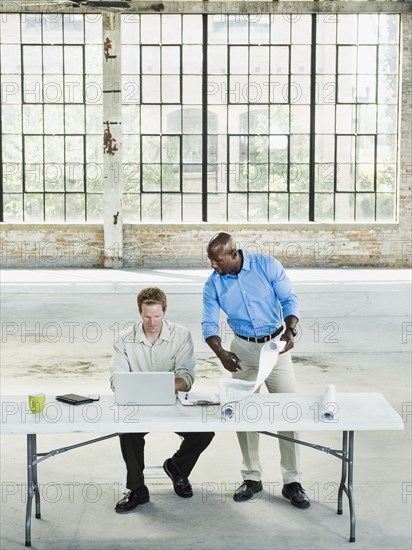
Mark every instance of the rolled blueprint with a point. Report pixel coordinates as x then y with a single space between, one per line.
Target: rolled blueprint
233 390
328 403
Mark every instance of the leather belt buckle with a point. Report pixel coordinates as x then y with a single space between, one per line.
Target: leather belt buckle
262 339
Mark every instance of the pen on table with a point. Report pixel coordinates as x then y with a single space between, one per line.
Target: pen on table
186 396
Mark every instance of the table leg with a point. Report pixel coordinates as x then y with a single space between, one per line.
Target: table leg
31 457
35 484
344 471
350 488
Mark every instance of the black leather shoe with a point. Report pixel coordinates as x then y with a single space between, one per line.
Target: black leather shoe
296 494
181 484
133 498
247 490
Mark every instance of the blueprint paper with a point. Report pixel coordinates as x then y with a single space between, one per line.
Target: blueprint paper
233 390
328 403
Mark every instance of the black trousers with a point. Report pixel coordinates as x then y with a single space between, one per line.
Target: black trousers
184 459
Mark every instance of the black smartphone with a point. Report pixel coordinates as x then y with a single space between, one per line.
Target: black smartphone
74 399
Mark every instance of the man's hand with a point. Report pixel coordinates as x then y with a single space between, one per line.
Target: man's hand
230 361
288 338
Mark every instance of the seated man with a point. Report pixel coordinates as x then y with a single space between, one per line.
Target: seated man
154 344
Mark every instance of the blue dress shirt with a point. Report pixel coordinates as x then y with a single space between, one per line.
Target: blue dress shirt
255 301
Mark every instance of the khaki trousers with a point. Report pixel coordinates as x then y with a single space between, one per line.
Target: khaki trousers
280 380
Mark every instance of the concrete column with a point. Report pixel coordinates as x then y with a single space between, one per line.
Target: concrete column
112 137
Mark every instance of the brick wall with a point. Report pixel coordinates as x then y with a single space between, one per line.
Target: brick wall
51 245
184 245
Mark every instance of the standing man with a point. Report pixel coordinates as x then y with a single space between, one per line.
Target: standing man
154 345
256 295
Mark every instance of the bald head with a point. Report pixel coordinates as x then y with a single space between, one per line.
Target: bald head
223 254
223 242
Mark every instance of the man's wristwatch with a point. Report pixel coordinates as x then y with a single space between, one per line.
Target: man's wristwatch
293 331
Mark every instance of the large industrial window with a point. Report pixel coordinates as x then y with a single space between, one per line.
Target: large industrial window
241 118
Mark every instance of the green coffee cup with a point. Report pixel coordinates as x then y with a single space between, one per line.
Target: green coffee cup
37 402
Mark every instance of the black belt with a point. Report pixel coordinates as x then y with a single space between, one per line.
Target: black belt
263 338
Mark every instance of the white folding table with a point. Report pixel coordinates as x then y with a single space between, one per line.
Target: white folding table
268 414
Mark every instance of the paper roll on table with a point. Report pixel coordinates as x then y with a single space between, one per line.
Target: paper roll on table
234 390
328 404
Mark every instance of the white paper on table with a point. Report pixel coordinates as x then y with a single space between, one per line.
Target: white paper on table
328 403
233 390
197 398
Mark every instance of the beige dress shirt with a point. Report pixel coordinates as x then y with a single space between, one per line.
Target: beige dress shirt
173 351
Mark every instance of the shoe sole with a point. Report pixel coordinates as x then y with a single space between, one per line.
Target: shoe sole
169 473
144 501
302 506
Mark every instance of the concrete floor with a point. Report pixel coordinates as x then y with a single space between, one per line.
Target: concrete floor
356 332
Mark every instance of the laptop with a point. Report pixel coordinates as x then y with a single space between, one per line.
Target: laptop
144 388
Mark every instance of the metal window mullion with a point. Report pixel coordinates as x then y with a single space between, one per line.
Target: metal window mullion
355 191
289 104
140 123
64 117
204 118
312 123
180 137
43 135
1 165
375 173
375 162
23 157
335 158
335 174
248 119
227 122
398 114
160 122
85 125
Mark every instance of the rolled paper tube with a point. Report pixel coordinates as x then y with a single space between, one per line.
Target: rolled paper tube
329 403
232 391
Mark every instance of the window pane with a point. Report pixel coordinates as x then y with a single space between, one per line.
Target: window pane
170 89
171 207
151 177
365 175
131 210
365 207
299 177
150 207
192 207
345 177
237 207
192 59
324 177
299 207
170 59
170 177
150 29
54 207
324 206
171 29
345 207
33 207
385 207
95 208
12 177
258 207
278 207
13 208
